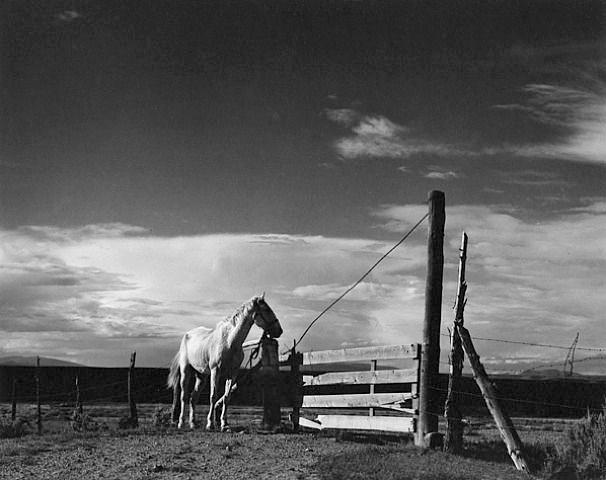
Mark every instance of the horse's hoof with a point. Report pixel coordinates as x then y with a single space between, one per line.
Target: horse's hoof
226 429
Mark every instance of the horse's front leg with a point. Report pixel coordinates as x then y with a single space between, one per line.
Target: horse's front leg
210 421
193 400
224 401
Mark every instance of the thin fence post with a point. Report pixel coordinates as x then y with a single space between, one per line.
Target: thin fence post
133 419
79 407
430 358
270 371
14 400
297 384
373 368
453 441
39 409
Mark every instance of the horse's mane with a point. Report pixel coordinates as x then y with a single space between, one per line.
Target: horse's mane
239 313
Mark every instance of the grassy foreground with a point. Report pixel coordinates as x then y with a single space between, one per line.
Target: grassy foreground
155 450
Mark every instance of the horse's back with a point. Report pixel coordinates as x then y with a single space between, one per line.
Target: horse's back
198 344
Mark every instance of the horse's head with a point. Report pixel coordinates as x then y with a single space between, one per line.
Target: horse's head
265 317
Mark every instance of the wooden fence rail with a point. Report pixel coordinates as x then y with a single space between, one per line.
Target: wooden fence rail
405 403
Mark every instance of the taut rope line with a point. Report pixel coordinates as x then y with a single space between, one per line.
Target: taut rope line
383 257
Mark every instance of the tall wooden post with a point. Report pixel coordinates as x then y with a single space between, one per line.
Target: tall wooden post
503 421
430 359
133 419
270 371
14 400
453 442
39 409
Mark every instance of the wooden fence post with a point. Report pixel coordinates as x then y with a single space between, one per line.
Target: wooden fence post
373 368
79 407
14 400
453 442
430 359
270 372
133 419
504 423
39 409
296 359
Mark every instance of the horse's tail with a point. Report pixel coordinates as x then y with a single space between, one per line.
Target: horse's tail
174 380
174 374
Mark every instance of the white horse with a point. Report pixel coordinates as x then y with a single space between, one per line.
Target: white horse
218 352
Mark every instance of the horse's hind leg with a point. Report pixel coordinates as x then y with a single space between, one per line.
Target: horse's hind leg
176 412
185 393
193 400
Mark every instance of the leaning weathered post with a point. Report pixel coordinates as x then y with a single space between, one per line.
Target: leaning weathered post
270 372
430 358
14 400
39 409
133 419
453 441
504 423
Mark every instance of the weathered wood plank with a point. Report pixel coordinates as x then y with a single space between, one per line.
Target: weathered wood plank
305 422
361 378
353 401
360 354
358 422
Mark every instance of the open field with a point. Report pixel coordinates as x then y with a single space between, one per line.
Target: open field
151 452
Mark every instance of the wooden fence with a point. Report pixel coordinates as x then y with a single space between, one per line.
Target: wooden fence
319 379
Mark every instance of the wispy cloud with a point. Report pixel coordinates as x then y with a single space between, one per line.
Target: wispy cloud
107 285
67 16
578 111
533 178
376 136
92 295
527 280
440 173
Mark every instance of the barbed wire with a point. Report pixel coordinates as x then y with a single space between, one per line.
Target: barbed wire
547 345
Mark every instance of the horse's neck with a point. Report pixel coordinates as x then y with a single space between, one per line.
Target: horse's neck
240 330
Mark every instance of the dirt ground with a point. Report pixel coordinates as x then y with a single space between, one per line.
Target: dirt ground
156 453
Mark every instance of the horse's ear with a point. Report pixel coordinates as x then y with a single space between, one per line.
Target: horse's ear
263 296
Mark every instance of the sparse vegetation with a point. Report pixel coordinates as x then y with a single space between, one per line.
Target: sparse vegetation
13 429
82 422
162 417
582 449
551 446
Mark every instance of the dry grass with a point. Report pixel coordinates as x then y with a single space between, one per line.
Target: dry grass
155 451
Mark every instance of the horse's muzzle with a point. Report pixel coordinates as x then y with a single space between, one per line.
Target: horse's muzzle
275 330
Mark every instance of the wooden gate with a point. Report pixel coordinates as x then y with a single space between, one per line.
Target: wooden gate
317 371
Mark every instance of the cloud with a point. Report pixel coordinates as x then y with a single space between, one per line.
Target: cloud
111 283
533 178
67 16
440 173
94 297
345 117
577 113
378 137
536 282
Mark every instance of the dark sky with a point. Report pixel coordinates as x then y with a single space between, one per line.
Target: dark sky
185 119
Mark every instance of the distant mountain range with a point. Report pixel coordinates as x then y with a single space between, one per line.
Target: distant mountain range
16 360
